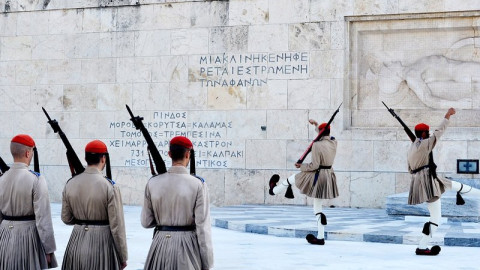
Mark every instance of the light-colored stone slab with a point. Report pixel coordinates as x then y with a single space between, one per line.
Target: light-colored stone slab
286 11
244 182
287 125
258 154
245 12
363 183
228 39
264 38
309 36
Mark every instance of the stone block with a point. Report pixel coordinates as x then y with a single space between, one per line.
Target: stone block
151 96
82 45
312 94
415 6
132 191
48 96
48 47
451 5
231 98
8 24
114 96
152 43
338 35
402 182
7 73
62 72
354 156
268 38
363 183
331 10
124 44
66 21
209 14
80 97
291 124
95 125
286 11
172 16
273 95
56 177
98 71
295 149
244 182
396 205
14 98
247 124
191 96
446 154
228 39
32 23
390 155
309 36
371 7
170 68
134 69
257 159
327 64
248 12
16 48
189 41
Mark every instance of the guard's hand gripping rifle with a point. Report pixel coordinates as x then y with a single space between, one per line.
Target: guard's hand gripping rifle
3 166
431 164
76 166
320 134
151 148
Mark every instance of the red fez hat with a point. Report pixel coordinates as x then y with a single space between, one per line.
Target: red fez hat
182 141
323 125
24 139
97 147
422 127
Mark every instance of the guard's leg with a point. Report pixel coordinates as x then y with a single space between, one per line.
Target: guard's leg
321 222
435 209
462 189
276 189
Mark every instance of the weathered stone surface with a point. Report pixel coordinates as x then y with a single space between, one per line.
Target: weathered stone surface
363 183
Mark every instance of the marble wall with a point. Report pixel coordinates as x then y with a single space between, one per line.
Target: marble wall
241 78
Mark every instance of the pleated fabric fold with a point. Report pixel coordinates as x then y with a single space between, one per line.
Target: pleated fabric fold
91 247
423 188
21 248
174 251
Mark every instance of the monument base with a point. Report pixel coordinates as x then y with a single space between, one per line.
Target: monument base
469 212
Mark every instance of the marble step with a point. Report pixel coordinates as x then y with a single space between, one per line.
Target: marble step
397 206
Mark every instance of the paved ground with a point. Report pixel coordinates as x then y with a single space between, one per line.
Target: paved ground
346 224
239 250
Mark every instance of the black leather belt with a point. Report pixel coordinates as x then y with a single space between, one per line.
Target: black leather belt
18 218
175 228
418 169
91 222
321 167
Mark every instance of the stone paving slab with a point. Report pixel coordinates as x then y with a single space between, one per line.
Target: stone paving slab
344 224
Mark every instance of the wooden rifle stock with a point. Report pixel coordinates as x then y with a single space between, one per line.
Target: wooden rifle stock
76 166
320 134
152 148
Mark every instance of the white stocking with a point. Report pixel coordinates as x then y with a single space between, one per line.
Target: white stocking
466 190
317 208
282 186
435 209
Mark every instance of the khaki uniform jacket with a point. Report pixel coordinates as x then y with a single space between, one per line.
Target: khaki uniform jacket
90 196
176 198
323 153
423 187
23 193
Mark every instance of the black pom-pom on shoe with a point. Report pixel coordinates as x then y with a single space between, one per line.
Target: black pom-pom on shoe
428 252
272 183
314 240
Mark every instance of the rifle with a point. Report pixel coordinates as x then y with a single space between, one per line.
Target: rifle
76 166
320 134
405 127
3 166
432 167
151 148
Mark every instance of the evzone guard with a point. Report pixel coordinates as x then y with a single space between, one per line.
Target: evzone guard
26 231
425 185
316 179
